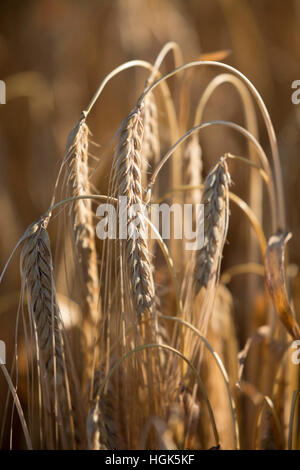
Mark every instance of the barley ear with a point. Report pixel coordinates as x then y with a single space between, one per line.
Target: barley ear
150 142
129 184
216 213
38 280
83 230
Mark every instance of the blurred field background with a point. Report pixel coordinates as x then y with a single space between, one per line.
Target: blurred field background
53 55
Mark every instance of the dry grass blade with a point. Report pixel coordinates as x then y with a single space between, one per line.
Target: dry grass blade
291 420
18 405
275 280
215 199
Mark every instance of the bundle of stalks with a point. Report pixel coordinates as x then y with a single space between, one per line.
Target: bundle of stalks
222 336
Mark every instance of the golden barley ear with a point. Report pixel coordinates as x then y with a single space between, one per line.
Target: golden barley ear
216 212
83 230
193 165
128 176
150 144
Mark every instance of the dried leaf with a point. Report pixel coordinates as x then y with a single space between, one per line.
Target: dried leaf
275 280
216 55
258 337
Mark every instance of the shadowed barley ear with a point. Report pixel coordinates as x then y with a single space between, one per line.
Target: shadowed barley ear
38 282
94 431
216 213
183 420
83 230
101 421
128 176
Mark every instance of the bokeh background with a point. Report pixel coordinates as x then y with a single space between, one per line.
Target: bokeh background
53 55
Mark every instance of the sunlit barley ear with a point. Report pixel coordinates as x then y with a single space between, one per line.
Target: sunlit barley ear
216 213
38 283
128 167
192 177
83 230
193 165
150 143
